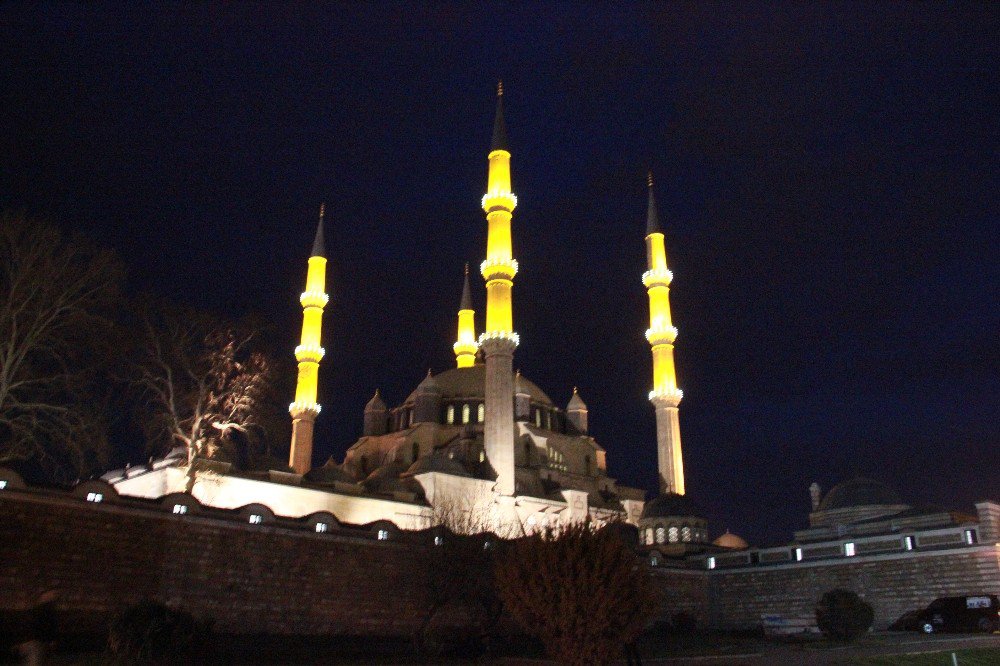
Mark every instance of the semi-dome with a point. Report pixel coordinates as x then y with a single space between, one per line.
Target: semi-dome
730 540
859 491
470 382
331 472
437 462
670 504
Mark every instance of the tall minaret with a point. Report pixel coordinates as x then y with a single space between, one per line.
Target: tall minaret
499 340
665 395
466 345
308 354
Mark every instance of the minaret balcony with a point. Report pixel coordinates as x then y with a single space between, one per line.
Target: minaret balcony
495 336
309 353
668 397
314 299
498 269
499 200
465 347
664 335
303 409
658 277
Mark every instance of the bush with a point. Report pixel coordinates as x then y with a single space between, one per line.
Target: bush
151 632
842 615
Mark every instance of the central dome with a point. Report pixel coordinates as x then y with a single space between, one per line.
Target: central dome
471 383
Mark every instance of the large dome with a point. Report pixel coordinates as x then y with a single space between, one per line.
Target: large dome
859 492
670 505
461 383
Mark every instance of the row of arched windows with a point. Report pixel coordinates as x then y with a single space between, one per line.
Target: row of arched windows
465 413
674 534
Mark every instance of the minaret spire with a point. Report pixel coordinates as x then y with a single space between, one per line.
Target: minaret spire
466 346
309 353
665 396
499 339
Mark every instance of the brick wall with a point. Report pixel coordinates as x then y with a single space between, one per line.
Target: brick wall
892 584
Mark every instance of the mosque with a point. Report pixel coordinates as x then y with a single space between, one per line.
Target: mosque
476 446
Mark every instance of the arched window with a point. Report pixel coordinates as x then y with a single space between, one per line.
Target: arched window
409 418
481 413
415 451
450 414
465 413
649 536
660 536
548 420
672 535
686 534
538 418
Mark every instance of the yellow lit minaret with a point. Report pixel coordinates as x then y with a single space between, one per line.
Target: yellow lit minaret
466 345
665 396
499 340
308 354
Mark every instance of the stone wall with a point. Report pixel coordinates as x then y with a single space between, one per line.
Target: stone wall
892 584
249 578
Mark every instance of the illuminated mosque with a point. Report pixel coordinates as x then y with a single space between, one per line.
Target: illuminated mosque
474 447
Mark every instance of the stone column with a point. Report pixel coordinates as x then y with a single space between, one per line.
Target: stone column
499 427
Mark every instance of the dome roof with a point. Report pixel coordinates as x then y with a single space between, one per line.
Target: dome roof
376 404
329 473
670 504
859 491
471 383
576 402
437 462
730 540
428 385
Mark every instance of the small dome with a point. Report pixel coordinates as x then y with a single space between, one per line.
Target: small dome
385 478
329 473
576 403
376 404
730 540
437 462
859 491
670 504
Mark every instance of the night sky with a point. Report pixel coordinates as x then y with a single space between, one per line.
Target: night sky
826 177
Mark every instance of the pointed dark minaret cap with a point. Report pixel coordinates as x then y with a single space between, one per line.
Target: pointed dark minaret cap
652 219
499 128
319 246
466 303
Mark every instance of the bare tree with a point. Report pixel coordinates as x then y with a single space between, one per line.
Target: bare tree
582 591
54 344
202 383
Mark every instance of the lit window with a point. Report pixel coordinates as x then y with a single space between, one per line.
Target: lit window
465 413
481 413
798 554
538 418
450 418
256 519
849 549
383 535
654 560
908 543
672 535
482 456
548 420
438 540
95 497
180 509
686 534
970 537
711 563
661 535
3 484
322 527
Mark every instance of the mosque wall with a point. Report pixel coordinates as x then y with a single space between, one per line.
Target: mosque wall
893 584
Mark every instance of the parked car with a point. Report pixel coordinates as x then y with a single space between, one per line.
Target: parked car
972 613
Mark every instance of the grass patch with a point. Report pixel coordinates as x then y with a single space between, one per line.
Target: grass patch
974 657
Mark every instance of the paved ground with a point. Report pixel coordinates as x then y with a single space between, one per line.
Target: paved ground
875 645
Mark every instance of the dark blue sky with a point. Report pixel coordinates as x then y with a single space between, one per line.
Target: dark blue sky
826 173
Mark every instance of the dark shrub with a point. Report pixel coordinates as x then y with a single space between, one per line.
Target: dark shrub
151 632
842 615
